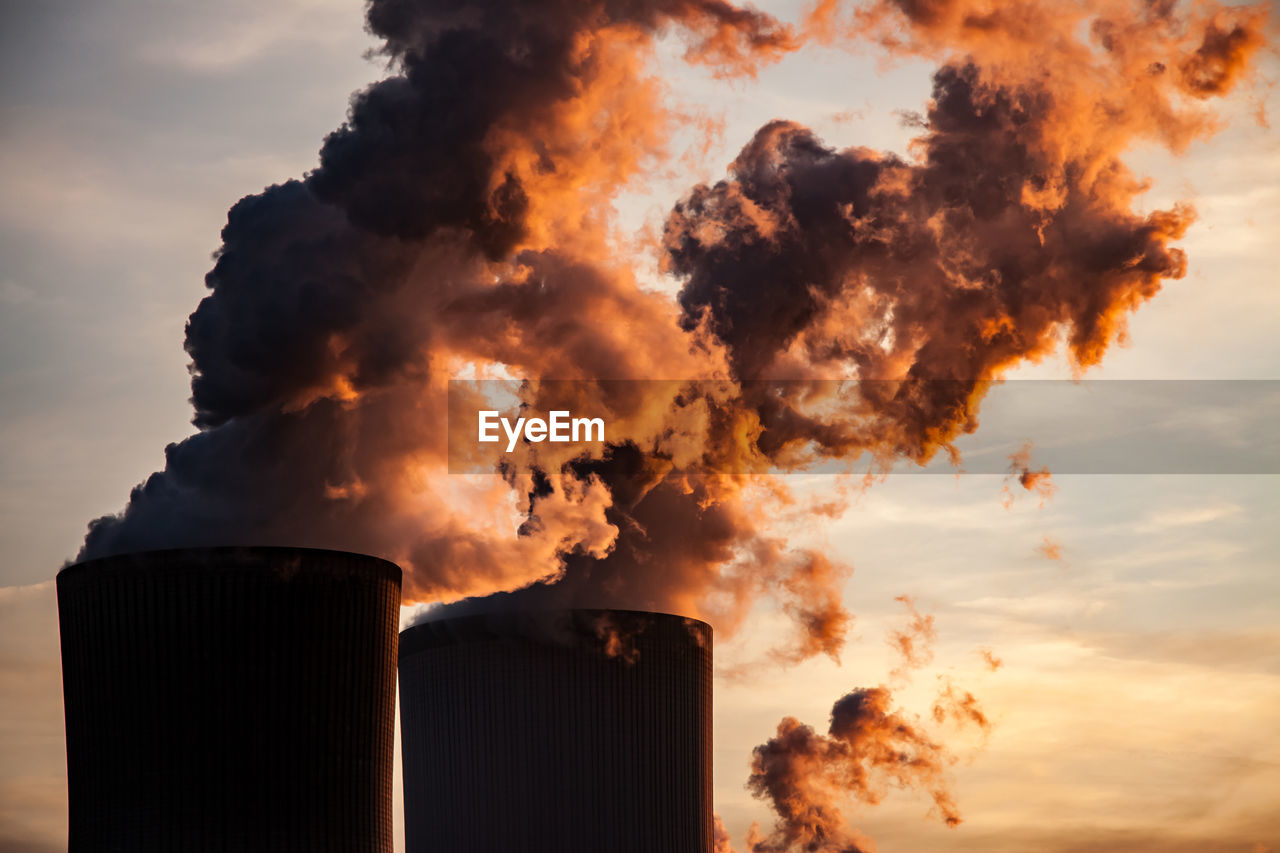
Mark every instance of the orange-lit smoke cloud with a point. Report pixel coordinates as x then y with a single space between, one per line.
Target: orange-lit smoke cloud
1050 549
960 706
915 642
460 220
1037 481
1011 230
807 777
461 223
720 839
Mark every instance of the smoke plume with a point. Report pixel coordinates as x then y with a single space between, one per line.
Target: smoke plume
721 842
960 706
1037 481
1049 548
811 779
915 642
460 223
461 219
807 776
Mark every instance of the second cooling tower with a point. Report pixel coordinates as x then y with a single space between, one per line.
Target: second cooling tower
578 731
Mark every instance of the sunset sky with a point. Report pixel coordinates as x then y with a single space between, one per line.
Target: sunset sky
1136 617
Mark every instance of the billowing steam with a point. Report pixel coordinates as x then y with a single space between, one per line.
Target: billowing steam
460 223
810 779
459 218
807 776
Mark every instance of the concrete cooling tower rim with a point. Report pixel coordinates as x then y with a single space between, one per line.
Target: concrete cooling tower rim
231 558
555 626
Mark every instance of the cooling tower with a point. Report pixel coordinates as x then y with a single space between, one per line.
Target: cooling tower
585 731
230 699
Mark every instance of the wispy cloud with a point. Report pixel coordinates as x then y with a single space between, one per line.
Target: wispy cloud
1182 517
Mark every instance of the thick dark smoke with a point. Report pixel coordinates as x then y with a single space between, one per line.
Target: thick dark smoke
460 218
836 263
436 232
460 223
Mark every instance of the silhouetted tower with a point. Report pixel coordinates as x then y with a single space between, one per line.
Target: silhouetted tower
230 699
584 731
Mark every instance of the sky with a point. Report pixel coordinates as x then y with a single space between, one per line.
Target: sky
1135 615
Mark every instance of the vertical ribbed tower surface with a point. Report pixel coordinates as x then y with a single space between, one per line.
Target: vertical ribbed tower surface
230 699
581 731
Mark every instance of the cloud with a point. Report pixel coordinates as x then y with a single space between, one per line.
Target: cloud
1177 518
